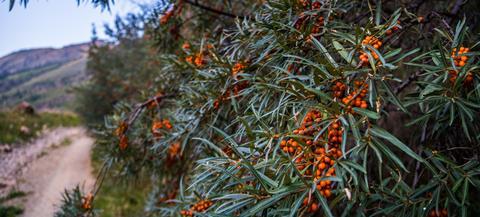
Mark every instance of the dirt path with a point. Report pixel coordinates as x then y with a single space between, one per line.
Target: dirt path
56 167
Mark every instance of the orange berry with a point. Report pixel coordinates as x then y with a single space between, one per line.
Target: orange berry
314 207
326 160
339 153
327 193
322 166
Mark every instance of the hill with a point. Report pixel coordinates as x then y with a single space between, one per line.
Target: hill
42 77
24 60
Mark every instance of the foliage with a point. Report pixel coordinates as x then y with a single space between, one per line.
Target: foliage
294 111
103 4
12 122
112 200
118 70
74 203
11 211
12 195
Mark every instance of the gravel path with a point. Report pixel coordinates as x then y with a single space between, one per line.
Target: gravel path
45 168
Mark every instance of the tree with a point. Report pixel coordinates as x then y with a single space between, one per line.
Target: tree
104 4
117 70
294 111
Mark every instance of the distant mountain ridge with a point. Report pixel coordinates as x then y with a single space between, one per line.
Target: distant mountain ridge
43 77
34 58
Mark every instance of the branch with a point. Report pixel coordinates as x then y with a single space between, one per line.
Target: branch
213 10
405 84
456 7
140 107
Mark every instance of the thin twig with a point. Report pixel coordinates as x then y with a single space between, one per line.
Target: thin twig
213 10
139 108
456 7
405 84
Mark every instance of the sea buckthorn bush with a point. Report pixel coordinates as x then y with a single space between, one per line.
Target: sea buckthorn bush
304 108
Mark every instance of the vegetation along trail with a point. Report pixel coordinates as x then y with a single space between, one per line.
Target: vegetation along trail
62 164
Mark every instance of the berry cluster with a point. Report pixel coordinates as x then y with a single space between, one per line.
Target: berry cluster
312 206
325 159
123 142
306 4
235 88
186 46
335 133
87 201
176 9
154 103
454 74
357 97
197 60
338 89
314 157
317 26
198 207
168 196
120 133
237 68
393 29
439 213
306 129
293 68
174 151
166 17
158 125
318 20
460 59
374 42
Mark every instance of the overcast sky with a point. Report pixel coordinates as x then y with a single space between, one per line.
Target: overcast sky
53 23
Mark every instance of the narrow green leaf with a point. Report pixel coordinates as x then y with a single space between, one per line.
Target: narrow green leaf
393 98
324 52
381 133
341 50
368 113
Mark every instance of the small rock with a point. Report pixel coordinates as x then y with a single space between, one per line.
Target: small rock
5 149
26 108
24 129
7 183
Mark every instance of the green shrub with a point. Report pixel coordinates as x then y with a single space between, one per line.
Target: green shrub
305 108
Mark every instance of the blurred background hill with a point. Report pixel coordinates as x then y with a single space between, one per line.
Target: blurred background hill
42 76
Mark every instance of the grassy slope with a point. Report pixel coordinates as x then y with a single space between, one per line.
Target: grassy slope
11 123
45 88
9 81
